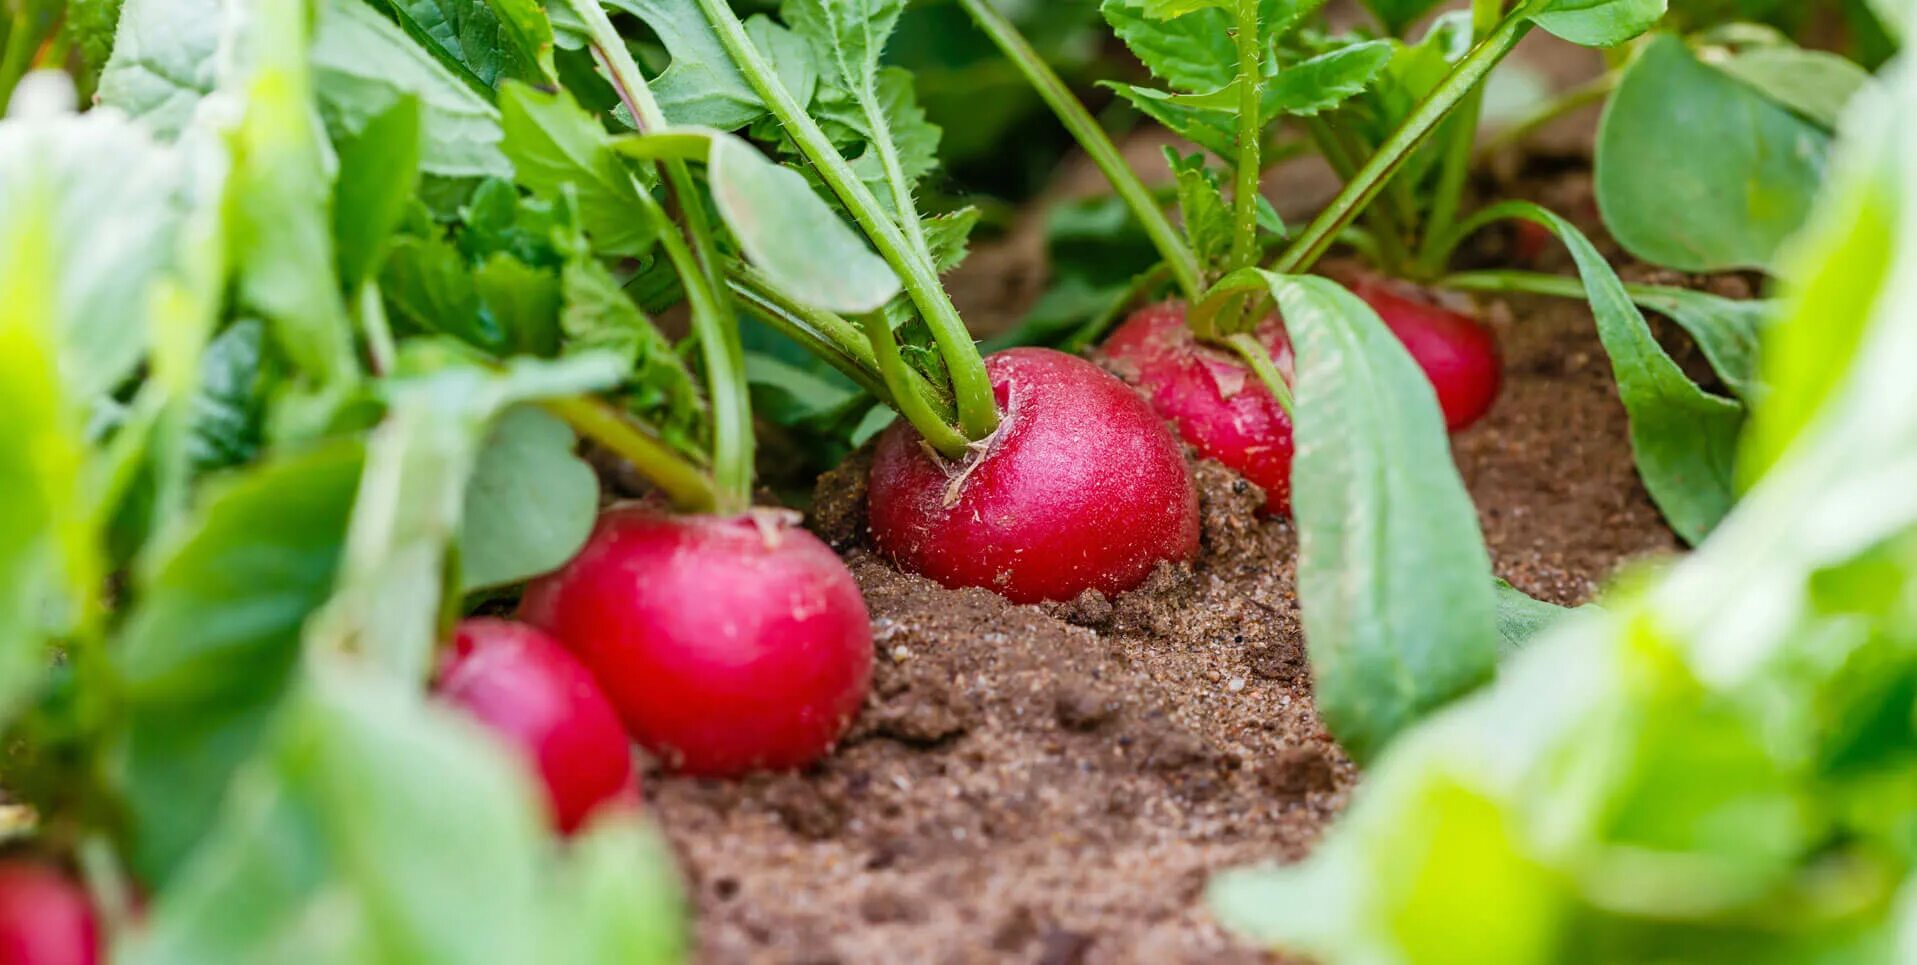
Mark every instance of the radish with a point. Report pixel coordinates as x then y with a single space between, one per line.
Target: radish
727 644
523 685
1458 355
1081 488
45 918
1215 401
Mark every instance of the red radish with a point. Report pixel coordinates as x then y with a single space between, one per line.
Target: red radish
1216 402
1458 355
1082 488
45 918
523 685
727 644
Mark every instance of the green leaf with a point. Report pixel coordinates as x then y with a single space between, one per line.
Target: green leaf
227 412
428 288
521 302
363 64
792 235
553 143
1684 439
331 851
163 61
1738 170
1208 128
948 235
598 316
378 170
1521 617
1597 23
210 648
1320 83
99 200
489 41
279 203
898 120
1208 221
1192 53
848 35
412 493
1818 85
1396 15
1393 576
530 503
1727 330
615 899
1837 270
45 545
700 87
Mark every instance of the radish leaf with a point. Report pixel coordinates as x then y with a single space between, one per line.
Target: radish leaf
553 143
1596 23
1393 576
487 41
1681 136
529 505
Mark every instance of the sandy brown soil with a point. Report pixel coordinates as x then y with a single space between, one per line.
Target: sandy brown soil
1056 784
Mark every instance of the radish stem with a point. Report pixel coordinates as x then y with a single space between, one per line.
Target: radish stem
689 488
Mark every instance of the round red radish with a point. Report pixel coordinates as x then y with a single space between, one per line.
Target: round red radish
1082 488
523 685
45 918
727 645
1458 355
1214 399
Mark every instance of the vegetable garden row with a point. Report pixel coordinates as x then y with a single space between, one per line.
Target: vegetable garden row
405 399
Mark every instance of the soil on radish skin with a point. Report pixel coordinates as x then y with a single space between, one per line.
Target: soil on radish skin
1057 783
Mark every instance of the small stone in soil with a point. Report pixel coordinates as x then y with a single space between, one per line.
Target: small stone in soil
1083 706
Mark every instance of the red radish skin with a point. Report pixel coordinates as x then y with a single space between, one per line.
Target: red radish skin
527 688
727 645
1458 355
1211 396
1082 488
45 918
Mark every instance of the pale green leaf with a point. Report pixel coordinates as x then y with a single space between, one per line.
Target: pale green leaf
529 505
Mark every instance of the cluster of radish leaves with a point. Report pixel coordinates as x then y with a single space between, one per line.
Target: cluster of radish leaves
1717 761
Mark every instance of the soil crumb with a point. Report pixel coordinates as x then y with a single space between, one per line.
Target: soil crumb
1058 783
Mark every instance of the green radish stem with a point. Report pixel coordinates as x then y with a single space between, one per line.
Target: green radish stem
949 442
1253 352
1251 75
971 386
1455 167
829 336
1317 237
1096 143
689 487
699 270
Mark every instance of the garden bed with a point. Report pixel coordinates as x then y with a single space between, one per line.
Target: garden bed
1058 783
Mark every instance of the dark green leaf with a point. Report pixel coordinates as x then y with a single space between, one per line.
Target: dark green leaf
529 505
1396 15
1192 53
552 144
948 236
490 41
1393 576
227 411
520 303
1699 172
701 87
209 651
